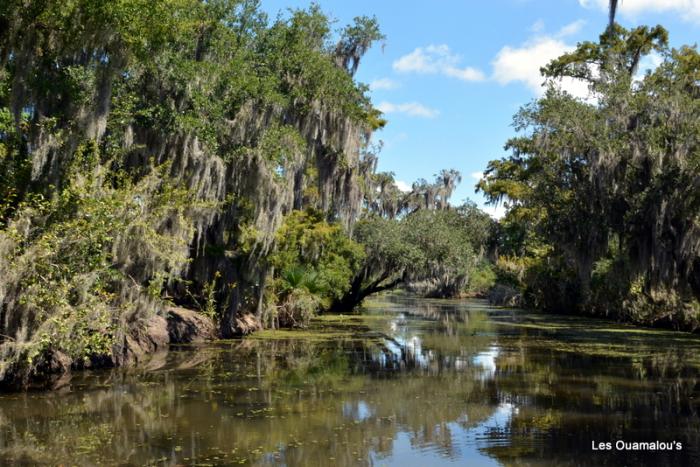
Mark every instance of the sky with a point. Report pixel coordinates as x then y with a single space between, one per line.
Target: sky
452 73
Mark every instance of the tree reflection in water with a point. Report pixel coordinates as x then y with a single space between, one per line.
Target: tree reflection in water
439 381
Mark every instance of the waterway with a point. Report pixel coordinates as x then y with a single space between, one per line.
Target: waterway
410 382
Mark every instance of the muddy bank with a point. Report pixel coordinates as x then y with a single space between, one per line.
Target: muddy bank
176 326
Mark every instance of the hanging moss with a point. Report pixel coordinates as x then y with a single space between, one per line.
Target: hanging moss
152 152
603 195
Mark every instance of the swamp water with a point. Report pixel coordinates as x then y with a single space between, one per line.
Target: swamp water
413 382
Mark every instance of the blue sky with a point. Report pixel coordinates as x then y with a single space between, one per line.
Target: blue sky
452 73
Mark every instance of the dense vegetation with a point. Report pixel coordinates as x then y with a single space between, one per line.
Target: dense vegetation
181 152
434 252
603 195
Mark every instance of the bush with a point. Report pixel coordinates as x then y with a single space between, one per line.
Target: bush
313 263
482 279
81 268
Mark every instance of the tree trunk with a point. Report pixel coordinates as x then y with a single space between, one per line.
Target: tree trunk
357 293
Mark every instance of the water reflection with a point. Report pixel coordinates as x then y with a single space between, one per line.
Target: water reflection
440 382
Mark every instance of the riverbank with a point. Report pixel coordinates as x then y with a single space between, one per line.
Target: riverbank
185 326
53 368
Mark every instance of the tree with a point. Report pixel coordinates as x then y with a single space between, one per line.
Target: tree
447 181
604 189
435 252
383 197
209 97
388 257
613 11
313 265
354 42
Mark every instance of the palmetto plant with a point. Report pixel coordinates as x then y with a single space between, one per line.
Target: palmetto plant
301 277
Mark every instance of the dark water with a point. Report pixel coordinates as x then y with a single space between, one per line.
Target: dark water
417 383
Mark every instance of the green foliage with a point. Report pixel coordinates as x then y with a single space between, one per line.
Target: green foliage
355 40
209 294
299 49
608 190
125 124
68 271
307 240
447 255
314 262
482 279
436 252
15 167
386 247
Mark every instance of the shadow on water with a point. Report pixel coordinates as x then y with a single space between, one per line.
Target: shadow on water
411 382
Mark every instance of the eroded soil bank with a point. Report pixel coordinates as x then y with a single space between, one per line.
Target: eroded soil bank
54 368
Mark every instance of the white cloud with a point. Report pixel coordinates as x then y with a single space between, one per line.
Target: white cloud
413 109
465 74
571 28
523 63
477 175
437 59
383 84
403 186
648 63
687 9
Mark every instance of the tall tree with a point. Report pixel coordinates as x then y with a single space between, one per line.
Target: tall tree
447 181
113 113
608 189
354 42
612 11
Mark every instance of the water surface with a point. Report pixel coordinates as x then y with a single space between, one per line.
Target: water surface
414 383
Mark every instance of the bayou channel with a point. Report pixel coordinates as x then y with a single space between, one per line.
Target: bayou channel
409 382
